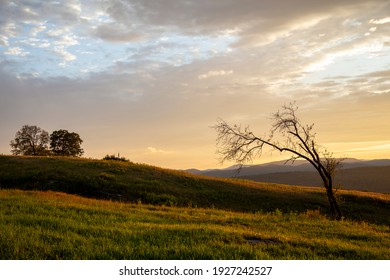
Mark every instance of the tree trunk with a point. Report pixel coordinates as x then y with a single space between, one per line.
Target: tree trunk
334 207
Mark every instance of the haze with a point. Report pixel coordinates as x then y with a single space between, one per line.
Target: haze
148 79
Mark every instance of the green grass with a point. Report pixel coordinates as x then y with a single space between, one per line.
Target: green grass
139 183
51 225
68 208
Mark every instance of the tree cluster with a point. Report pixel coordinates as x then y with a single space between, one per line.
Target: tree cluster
34 141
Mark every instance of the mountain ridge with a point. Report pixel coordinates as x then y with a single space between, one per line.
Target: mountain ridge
367 175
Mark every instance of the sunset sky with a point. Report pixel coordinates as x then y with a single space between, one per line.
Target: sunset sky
148 79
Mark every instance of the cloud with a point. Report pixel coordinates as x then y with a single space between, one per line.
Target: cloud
116 33
16 51
3 40
136 70
380 21
153 150
67 56
214 74
37 29
254 21
380 147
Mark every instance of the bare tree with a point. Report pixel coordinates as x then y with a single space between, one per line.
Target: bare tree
287 134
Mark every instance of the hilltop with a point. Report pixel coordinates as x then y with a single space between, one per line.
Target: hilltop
143 184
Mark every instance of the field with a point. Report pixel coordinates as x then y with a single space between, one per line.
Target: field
61 208
50 225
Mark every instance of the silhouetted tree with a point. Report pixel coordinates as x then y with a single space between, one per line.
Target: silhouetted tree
287 134
64 143
30 140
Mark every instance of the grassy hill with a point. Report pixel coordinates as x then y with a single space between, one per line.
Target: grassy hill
68 208
139 183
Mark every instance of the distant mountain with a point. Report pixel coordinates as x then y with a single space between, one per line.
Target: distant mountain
194 171
367 175
373 179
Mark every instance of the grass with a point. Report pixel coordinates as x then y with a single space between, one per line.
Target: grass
68 208
51 225
139 183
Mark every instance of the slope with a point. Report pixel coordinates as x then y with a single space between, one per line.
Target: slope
365 175
52 225
130 182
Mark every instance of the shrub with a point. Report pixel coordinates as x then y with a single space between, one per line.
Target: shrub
114 157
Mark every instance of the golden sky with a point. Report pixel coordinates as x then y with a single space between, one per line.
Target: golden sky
148 79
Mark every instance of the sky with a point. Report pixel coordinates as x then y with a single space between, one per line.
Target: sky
149 79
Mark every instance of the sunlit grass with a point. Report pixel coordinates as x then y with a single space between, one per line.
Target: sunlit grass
51 225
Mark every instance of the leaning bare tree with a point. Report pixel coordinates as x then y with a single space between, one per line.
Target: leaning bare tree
287 134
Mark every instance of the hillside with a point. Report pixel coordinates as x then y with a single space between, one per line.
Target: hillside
367 175
52 225
374 179
143 184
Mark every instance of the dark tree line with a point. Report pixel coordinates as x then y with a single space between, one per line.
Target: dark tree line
34 141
